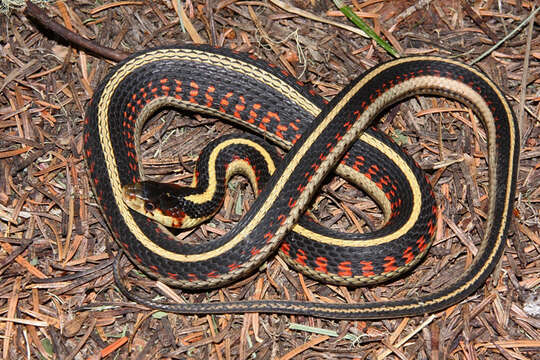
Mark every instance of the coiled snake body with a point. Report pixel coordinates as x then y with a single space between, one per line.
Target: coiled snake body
261 98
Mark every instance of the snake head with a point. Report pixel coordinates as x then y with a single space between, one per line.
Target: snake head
160 202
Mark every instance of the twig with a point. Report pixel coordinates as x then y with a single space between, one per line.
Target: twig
478 20
525 131
512 33
309 15
34 12
14 255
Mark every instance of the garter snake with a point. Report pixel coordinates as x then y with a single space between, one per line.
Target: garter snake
266 100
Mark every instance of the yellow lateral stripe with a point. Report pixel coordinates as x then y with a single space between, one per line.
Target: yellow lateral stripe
417 201
242 167
212 184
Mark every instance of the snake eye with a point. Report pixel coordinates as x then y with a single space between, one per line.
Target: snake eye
148 206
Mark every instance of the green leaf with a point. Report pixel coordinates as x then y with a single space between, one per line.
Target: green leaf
347 11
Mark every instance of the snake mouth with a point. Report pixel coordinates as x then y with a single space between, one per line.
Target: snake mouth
131 190
132 197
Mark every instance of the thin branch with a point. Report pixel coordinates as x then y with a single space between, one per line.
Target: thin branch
34 12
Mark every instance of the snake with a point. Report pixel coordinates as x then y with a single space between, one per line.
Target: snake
320 137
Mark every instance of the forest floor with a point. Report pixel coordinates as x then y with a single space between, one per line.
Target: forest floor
58 298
